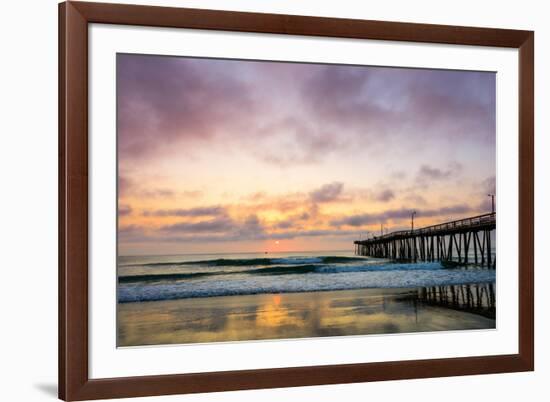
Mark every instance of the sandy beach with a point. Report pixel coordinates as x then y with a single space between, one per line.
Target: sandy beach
291 315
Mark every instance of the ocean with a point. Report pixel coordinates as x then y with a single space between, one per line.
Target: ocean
156 278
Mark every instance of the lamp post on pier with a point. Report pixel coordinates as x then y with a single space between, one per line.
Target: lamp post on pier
492 202
412 220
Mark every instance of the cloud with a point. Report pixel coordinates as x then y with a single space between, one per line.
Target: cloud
455 209
384 196
291 113
465 105
130 232
220 237
221 224
224 229
432 173
415 199
124 210
428 173
156 193
125 185
398 175
199 211
191 193
304 142
397 214
284 224
327 193
293 221
308 233
370 106
304 216
128 187
489 185
165 100
257 196
249 228
379 195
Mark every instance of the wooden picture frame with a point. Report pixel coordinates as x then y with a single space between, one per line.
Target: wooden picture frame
74 381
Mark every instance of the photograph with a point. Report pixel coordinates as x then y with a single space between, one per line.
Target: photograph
277 200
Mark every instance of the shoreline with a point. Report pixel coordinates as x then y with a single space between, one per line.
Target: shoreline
388 289
300 315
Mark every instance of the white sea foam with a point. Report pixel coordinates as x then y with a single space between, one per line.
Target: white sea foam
425 275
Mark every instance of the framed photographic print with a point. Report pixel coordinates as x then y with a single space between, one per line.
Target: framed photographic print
259 200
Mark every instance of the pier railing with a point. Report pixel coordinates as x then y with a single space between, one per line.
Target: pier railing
479 221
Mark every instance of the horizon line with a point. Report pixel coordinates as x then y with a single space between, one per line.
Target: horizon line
235 252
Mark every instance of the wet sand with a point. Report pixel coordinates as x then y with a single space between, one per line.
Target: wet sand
301 315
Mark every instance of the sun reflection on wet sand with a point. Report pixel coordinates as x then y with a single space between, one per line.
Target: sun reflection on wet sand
296 315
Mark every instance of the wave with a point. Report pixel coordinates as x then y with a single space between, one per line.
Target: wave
283 270
242 276
238 262
164 277
273 270
254 284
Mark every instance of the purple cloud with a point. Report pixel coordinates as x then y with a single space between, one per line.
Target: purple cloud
127 187
385 196
308 111
379 195
221 224
199 211
164 100
327 193
124 210
250 228
284 224
427 172
235 236
402 213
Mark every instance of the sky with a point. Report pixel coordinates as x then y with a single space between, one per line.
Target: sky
224 156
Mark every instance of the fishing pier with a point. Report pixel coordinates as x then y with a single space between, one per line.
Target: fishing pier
449 241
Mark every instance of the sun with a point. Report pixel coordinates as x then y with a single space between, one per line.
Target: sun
276 241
